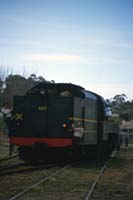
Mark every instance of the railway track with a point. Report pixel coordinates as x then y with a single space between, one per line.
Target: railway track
8 158
8 167
51 175
89 194
55 174
39 182
9 162
22 167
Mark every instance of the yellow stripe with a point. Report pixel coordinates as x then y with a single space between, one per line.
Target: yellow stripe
90 131
80 119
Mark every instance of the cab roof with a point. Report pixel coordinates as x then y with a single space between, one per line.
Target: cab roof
76 90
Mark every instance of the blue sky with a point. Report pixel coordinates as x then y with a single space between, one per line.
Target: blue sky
85 42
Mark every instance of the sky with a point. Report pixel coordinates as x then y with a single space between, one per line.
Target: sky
84 42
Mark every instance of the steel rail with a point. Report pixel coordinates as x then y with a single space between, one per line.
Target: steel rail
99 176
8 158
27 169
8 167
39 182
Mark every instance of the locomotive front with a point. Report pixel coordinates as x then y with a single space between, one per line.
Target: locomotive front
44 119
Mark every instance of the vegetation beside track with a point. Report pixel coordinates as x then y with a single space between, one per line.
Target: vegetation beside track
117 181
75 182
4 146
15 183
72 183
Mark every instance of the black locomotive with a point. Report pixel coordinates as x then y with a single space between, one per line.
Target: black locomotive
62 116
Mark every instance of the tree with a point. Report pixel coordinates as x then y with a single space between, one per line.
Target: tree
120 98
15 85
122 107
19 85
40 79
4 71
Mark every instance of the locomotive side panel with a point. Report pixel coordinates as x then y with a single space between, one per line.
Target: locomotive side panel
78 113
90 122
85 112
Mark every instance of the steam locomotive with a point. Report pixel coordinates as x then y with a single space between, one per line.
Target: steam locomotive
61 117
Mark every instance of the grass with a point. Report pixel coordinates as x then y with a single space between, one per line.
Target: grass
74 181
117 180
4 145
3 128
117 163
